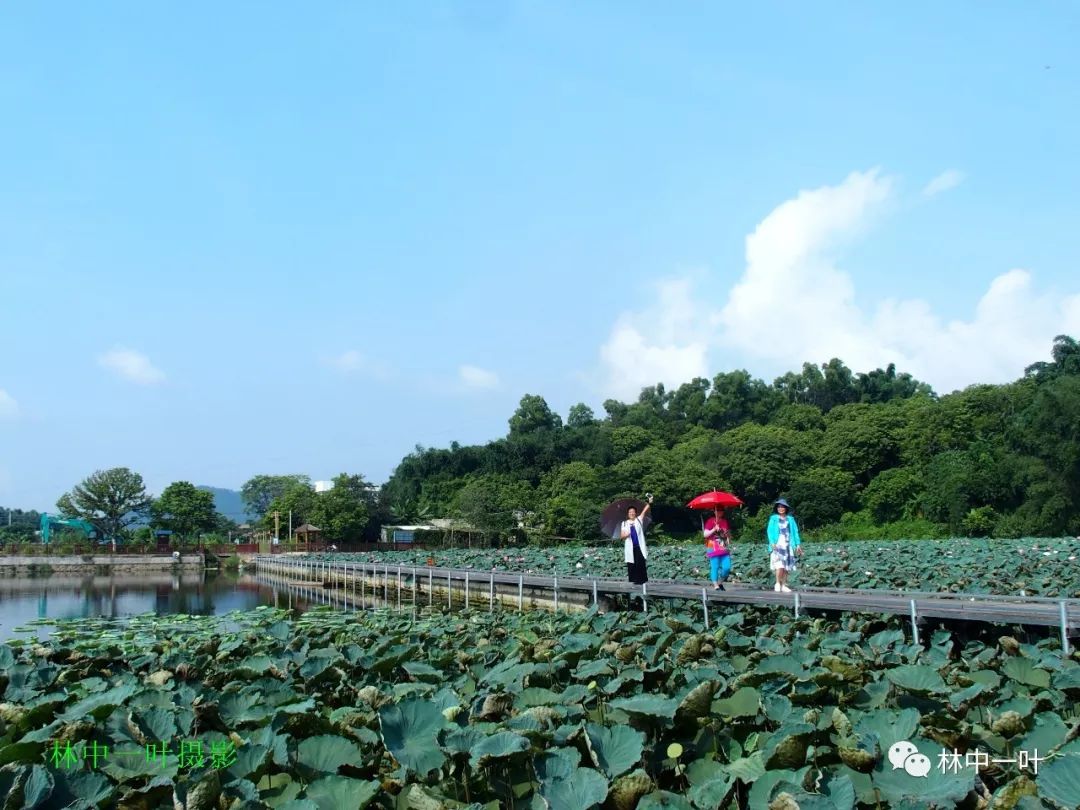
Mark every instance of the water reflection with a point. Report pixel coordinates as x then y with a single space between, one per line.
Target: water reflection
67 597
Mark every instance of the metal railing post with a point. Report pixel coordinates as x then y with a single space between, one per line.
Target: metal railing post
1064 628
705 607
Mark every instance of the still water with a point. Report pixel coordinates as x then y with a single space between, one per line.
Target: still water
66 597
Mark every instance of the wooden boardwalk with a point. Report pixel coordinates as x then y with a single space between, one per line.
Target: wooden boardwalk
357 578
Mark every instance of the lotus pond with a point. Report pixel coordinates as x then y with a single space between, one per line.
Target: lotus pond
267 708
1033 567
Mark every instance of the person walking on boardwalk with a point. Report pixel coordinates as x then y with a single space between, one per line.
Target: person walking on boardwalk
717 532
784 543
635 552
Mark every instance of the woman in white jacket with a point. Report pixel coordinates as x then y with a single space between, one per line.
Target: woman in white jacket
635 552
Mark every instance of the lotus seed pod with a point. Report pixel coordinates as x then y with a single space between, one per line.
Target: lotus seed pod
1009 724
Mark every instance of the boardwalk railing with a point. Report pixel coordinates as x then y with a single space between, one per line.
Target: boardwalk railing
1063 614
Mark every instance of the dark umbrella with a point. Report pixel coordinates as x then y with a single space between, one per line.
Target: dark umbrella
615 513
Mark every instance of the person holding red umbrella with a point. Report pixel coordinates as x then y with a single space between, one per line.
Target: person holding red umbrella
717 532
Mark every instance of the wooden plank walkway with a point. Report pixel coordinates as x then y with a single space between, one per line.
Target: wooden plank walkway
1063 614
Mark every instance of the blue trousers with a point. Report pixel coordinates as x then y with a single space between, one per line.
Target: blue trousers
719 567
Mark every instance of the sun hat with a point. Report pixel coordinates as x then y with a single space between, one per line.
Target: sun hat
781 502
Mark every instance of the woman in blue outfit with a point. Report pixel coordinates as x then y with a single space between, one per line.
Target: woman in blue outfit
635 552
784 543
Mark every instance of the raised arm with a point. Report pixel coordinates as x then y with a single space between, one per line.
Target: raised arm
648 506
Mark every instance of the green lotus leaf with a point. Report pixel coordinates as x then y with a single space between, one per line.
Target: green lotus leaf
250 760
917 679
1067 679
497 746
896 785
1022 670
747 769
781 664
593 669
1059 781
761 792
410 732
614 750
26 752
1047 734
582 789
537 696
93 789
646 705
326 753
423 672
777 707
663 800
243 709
745 702
711 792
37 787
888 726
337 792
99 705
557 763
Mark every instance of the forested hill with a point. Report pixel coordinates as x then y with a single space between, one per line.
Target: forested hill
858 455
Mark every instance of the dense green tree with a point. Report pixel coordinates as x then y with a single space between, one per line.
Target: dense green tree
533 414
297 502
184 510
760 461
823 495
857 450
344 511
110 499
580 416
260 491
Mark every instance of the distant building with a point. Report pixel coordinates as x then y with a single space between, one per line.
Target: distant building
324 486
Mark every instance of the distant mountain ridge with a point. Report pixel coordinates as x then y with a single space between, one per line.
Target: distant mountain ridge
229 503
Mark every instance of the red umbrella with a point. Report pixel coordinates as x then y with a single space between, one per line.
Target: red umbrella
710 500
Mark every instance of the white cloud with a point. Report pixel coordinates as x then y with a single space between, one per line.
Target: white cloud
348 361
794 303
665 342
478 378
356 362
946 181
132 366
9 408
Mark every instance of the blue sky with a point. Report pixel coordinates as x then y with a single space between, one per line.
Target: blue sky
242 238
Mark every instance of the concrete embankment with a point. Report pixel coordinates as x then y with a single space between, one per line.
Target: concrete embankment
25 565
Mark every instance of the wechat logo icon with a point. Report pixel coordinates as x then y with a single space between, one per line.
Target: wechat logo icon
905 755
